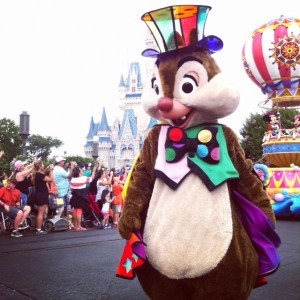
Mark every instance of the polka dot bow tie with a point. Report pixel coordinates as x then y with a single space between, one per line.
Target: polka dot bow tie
204 145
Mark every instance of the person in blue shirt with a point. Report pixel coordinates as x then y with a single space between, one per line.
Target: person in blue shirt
62 178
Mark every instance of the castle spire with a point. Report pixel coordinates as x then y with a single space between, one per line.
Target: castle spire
129 123
103 126
91 132
134 70
122 82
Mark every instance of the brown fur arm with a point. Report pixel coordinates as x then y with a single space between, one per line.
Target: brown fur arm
249 184
140 187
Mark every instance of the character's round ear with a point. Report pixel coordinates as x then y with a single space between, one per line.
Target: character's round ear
150 53
211 43
266 118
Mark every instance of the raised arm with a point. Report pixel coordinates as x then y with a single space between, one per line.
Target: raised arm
20 176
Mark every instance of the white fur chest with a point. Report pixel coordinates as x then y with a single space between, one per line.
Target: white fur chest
187 231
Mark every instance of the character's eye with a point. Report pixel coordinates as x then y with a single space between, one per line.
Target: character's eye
154 85
188 84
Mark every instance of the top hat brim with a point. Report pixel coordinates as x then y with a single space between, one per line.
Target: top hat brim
211 43
150 53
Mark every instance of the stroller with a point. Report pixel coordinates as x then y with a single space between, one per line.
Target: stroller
93 216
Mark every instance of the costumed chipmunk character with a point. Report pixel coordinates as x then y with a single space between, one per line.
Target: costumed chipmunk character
182 213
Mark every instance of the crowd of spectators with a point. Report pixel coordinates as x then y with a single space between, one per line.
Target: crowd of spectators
30 186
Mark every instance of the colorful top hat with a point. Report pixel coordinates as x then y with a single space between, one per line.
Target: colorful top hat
180 26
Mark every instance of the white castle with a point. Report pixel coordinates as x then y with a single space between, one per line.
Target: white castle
118 145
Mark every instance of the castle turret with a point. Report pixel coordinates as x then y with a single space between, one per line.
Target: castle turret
128 144
132 98
130 91
88 147
122 92
104 141
120 143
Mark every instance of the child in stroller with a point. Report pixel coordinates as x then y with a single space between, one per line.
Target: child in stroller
93 216
80 198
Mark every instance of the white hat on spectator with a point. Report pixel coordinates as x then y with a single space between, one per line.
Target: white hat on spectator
59 159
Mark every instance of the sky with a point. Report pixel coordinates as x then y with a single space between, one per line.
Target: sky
61 61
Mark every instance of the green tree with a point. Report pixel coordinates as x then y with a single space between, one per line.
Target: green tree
254 128
39 146
79 159
10 143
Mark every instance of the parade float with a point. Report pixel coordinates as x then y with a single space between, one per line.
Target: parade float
271 59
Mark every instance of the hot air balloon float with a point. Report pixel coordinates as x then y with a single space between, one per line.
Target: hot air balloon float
271 59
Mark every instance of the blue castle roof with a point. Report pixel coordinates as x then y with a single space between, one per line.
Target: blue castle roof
130 88
92 130
103 126
95 127
134 68
152 123
104 139
122 82
137 95
87 144
130 116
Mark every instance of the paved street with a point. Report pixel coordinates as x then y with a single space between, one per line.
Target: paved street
82 265
64 265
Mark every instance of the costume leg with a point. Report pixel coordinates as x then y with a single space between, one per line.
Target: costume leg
158 286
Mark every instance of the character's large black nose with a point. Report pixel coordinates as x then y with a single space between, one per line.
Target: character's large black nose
165 104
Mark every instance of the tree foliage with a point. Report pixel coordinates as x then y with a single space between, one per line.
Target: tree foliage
39 146
254 128
10 142
79 159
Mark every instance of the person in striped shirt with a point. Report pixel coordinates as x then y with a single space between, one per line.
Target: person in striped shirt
79 200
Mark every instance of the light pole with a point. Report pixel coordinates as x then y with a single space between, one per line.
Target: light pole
95 151
24 129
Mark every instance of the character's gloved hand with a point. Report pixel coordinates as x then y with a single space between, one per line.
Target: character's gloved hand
130 221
